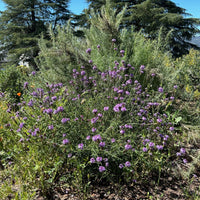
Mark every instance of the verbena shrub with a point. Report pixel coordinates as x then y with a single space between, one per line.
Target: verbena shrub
107 40
101 126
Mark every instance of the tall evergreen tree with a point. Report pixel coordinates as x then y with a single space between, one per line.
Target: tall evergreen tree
22 23
150 15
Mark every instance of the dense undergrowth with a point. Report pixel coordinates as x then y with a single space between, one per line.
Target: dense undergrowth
106 109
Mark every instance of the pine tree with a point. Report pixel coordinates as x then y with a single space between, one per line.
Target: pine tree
22 23
149 16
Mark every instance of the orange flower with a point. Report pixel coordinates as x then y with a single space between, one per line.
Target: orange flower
19 94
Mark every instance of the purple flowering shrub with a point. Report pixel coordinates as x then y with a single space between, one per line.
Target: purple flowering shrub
107 123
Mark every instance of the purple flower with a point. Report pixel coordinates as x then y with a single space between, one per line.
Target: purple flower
94 111
93 129
182 151
117 107
50 127
123 109
98 46
30 103
88 137
128 126
21 125
159 147
142 67
76 119
60 109
175 86
105 159
2 94
185 161
122 51
127 164
34 133
115 89
65 141
49 111
64 120
171 128
33 73
121 166
113 140
106 108
144 149
151 144
122 131
83 73
96 137
128 146
88 50
80 146
144 118
128 82
178 154
166 137
19 129
25 85
102 168
94 67
127 93
159 120
94 120
90 61
35 94
113 40
69 155
120 91
92 160
160 89
102 144
99 159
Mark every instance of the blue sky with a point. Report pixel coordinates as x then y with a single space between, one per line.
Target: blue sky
191 6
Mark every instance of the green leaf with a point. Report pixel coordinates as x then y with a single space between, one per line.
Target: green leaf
178 119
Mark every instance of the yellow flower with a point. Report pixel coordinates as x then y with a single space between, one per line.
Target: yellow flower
188 89
196 94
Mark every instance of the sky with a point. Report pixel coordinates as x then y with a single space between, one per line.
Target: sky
76 6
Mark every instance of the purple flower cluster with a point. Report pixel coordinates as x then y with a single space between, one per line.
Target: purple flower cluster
121 105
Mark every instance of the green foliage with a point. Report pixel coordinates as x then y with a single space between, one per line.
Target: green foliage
58 57
11 82
22 23
189 75
149 16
